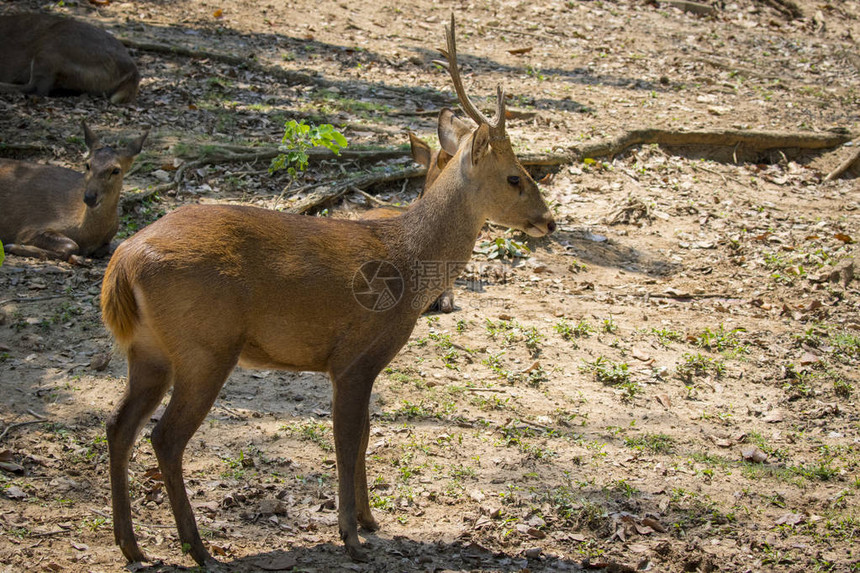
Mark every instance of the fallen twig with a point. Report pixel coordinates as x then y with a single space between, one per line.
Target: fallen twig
18 425
485 390
845 165
32 299
739 139
376 201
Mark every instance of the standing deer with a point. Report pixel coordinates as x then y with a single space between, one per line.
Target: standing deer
54 212
44 54
210 286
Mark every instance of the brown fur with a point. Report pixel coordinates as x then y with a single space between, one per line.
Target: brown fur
44 54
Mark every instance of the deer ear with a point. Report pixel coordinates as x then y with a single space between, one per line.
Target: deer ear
442 159
134 147
480 143
420 150
90 138
450 132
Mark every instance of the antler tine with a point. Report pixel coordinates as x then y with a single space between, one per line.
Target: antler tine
498 122
498 125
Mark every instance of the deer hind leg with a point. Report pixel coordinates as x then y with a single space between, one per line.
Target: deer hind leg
362 500
197 383
45 245
149 377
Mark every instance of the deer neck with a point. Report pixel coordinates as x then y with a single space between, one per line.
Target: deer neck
100 221
444 224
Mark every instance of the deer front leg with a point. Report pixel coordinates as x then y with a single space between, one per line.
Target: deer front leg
351 397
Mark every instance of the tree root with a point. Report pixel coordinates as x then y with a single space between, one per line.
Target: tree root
738 139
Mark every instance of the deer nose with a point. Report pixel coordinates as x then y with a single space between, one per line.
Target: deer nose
550 227
91 199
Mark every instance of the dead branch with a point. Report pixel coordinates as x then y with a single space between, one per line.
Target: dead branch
328 192
19 425
31 299
846 165
378 202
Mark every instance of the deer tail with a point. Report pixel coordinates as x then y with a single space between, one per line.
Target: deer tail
120 311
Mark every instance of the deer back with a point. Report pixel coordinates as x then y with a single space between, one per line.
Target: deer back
51 55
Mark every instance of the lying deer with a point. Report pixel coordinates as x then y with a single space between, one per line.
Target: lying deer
54 212
44 54
210 286
435 162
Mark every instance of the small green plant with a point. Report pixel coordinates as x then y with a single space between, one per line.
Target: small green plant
656 443
841 387
311 431
609 325
570 331
698 365
722 340
298 138
533 339
665 336
609 372
616 374
503 247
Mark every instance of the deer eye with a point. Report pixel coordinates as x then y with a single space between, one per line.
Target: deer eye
87 165
513 179
115 171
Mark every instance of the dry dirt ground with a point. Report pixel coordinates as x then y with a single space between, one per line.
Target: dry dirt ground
667 383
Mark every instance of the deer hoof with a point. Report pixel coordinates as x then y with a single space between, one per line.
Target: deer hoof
133 553
356 553
368 523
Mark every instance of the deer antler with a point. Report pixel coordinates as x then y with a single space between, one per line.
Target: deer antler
497 125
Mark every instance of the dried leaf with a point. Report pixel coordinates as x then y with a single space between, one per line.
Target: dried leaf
791 519
518 51
653 524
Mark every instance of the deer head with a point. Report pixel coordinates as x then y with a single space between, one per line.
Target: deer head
517 202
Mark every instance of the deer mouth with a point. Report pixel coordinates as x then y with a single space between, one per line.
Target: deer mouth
540 229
